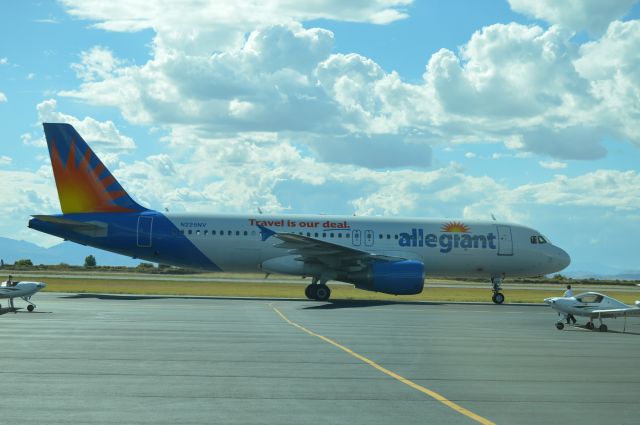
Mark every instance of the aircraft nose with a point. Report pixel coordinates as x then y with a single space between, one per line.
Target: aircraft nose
42 285
550 300
562 259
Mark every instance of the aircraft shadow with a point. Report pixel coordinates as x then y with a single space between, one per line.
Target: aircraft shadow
337 304
128 297
17 310
578 328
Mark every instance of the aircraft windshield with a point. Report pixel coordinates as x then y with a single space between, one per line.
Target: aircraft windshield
589 298
538 239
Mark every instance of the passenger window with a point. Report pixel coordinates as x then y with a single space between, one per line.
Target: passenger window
190 231
347 236
213 233
380 236
324 235
229 233
396 236
331 235
246 233
388 236
316 235
197 232
339 235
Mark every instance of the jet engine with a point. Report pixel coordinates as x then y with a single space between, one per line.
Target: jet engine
397 278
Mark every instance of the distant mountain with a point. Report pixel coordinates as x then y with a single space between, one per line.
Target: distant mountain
626 275
65 252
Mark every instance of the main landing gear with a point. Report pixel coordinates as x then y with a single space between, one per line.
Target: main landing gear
30 307
589 325
318 291
497 296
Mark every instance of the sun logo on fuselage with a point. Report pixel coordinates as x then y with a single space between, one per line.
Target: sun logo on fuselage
454 227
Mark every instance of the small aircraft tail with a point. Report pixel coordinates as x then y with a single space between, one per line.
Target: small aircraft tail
84 184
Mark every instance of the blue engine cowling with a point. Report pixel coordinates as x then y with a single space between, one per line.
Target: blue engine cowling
397 278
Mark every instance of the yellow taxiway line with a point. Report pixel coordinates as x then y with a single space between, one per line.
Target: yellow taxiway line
436 396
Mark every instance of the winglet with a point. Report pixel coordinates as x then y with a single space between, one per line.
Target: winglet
265 233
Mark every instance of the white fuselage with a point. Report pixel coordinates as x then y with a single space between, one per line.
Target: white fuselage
20 289
585 304
457 248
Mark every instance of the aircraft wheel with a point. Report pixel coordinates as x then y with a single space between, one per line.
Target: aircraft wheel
310 290
30 308
603 328
559 326
323 293
589 326
497 298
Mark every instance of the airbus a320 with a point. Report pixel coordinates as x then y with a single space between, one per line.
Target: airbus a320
390 255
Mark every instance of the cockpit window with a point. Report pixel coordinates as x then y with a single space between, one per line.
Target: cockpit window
589 298
541 239
534 239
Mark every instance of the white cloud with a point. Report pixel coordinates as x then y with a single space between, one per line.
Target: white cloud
95 64
576 15
532 89
553 165
102 134
5 160
192 15
3 97
612 66
29 140
4 61
470 155
30 76
26 193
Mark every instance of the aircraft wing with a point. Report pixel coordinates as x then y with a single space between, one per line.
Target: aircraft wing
615 312
313 250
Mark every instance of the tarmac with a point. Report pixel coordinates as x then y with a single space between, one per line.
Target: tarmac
119 359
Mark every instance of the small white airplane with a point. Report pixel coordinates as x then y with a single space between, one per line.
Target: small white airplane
592 305
24 290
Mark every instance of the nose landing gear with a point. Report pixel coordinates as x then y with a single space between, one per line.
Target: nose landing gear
497 296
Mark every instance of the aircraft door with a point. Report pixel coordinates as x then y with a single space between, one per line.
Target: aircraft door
145 225
505 242
368 237
355 237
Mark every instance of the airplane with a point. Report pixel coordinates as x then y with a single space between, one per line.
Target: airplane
382 254
24 290
592 305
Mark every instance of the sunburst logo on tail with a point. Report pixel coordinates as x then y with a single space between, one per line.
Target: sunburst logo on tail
84 184
454 227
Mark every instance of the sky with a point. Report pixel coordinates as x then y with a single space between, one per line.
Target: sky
524 109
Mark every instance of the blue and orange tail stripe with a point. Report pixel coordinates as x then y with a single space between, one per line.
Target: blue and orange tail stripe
84 184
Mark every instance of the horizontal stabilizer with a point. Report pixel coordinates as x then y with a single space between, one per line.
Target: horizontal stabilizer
95 229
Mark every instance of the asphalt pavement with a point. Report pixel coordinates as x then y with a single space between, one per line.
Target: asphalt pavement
120 359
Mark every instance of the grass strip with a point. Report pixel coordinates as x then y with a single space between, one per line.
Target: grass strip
296 290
